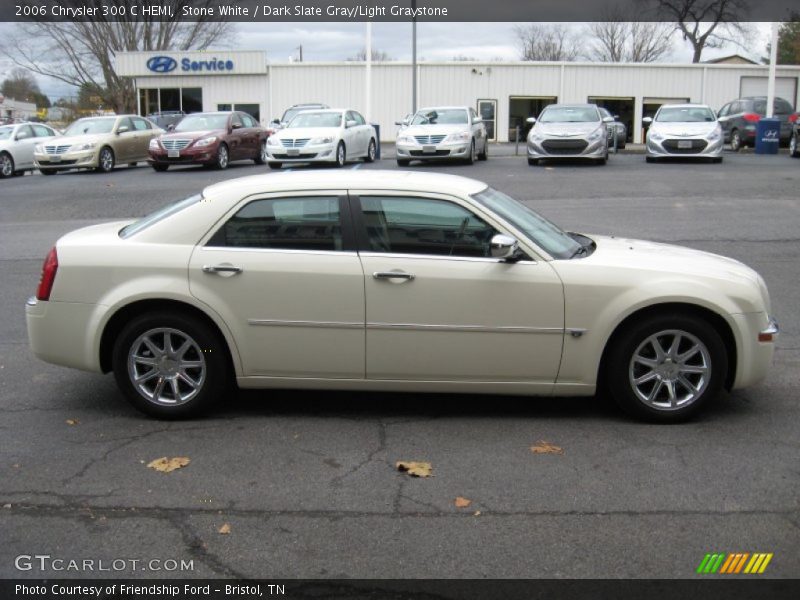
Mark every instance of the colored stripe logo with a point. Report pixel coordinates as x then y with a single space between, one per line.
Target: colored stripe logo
734 563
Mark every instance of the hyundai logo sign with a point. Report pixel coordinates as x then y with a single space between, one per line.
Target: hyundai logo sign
162 64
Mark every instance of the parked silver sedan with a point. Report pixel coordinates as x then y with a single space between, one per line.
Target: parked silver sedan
686 131
16 146
444 132
569 131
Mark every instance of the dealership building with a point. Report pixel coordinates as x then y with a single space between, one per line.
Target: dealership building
504 93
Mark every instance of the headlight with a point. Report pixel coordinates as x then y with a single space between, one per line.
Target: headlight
656 136
597 134
82 147
406 139
39 149
273 141
321 140
461 136
154 144
536 137
205 141
714 135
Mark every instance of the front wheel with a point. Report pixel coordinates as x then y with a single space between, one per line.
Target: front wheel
371 152
170 365
223 158
666 368
794 147
736 140
105 160
485 154
261 157
341 155
275 165
159 167
533 162
401 162
472 156
6 165
47 171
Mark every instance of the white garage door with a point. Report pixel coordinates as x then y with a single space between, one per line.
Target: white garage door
785 87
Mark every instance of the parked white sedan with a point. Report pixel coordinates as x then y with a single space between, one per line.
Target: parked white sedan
387 280
439 133
685 131
16 146
333 136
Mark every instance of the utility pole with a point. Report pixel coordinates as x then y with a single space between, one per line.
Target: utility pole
368 73
300 49
773 56
414 58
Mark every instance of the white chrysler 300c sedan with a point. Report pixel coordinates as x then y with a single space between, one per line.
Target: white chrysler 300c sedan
393 281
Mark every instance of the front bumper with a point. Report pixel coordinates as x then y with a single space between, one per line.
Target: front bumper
756 333
669 147
60 333
441 151
568 147
81 159
186 156
304 154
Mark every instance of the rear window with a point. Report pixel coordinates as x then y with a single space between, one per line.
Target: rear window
159 215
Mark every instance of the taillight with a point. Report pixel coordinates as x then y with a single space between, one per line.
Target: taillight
49 269
793 118
751 117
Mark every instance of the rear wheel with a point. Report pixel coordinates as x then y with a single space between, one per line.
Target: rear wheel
665 368
261 157
736 140
159 167
169 365
6 165
794 146
650 159
485 154
223 158
371 152
105 160
716 159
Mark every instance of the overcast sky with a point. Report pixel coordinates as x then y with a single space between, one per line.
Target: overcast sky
435 41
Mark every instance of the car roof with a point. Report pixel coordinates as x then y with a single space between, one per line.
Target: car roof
686 105
573 105
443 108
411 181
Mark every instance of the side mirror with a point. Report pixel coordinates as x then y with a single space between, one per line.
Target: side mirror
236 125
171 127
503 246
123 129
531 120
477 120
400 123
647 121
276 121
350 123
22 135
616 117
608 119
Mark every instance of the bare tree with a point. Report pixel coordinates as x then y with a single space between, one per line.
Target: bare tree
542 42
617 40
82 53
377 56
708 23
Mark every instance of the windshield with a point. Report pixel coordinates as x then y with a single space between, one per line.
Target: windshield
90 126
201 122
569 114
316 119
5 133
441 116
685 114
155 217
557 243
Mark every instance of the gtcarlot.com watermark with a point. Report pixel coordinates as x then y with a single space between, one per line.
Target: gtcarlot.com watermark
54 564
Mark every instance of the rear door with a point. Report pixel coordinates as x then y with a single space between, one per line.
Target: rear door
23 146
238 138
143 133
283 273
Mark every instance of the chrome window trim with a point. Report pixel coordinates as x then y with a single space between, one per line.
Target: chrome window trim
372 254
280 250
464 328
319 324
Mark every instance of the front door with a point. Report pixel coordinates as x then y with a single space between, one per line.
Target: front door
439 308
283 274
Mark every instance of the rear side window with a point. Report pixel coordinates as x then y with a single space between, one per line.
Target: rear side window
304 223
158 215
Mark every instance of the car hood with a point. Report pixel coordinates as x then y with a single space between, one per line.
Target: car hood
191 135
684 129
666 258
443 129
292 133
566 129
79 139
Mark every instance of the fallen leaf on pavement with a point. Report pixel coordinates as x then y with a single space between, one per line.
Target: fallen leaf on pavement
72 421
415 469
542 447
225 529
165 465
477 513
462 502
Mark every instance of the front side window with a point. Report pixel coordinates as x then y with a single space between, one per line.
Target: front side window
305 223
424 226
90 126
140 124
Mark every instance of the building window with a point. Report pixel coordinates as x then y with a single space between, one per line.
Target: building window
191 100
254 110
156 100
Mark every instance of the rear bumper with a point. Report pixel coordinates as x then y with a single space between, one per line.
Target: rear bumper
61 333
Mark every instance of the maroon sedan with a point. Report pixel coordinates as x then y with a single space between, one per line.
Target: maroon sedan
213 139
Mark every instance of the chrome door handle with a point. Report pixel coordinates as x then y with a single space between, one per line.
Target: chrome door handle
393 275
221 269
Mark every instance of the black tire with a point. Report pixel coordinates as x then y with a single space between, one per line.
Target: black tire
133 164
371 151
401 162
736 141
485 154
105 160
261 157
716 159
19 173
601 161
341 155
650 159
47 171
159 167
621 145
275 165
635 340
6 165
470 160
206 347
794 146
533 162
223 158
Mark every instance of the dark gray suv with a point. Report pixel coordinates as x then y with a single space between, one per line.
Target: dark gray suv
738 119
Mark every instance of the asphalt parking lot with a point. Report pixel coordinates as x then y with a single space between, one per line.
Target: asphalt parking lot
306 481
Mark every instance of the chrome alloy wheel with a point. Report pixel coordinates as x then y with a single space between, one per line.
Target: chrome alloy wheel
106 160
262 153
166 366
670 369
6 165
